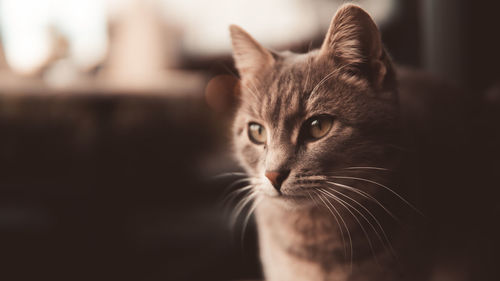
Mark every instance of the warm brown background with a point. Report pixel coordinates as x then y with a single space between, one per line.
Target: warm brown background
104 183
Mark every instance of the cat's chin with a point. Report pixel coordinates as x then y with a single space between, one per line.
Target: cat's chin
290 201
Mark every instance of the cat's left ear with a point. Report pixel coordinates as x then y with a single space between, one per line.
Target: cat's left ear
249 56
353 41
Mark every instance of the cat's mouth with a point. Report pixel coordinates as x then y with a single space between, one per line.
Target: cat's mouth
292 197
292 200
289 194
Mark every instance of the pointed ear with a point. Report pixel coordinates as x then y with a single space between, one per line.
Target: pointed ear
353 42
249 56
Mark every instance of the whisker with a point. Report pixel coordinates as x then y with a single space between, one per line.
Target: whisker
386 188
247 217
367 168
240 206
227 175
389 245
253 91
326 78
338 223
247 179
228 194
344 203
238 78
367 196
326 203
308 75
231 72
235 193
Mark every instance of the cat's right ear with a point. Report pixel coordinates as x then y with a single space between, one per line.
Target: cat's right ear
354 43
249 56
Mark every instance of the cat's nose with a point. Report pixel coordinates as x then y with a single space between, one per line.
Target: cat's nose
277 178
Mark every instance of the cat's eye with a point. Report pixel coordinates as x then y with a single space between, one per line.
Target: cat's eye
319 126
257 133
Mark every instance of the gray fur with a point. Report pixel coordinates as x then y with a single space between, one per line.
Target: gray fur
300 236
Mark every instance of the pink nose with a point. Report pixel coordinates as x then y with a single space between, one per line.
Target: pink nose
277 178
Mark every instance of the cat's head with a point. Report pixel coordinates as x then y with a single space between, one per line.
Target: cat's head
304 117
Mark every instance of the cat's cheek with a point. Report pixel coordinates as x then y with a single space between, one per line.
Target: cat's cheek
249 156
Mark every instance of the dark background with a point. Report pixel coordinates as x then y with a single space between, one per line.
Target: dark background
119 185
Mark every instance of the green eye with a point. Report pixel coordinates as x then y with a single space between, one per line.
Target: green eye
319 126
257 133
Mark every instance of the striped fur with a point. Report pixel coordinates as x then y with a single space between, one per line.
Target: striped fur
350 78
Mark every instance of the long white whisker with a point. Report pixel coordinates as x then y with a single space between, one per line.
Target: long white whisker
338 223
247 217
235 183
326 202
247 179
238 78
346 206
373 217
365 195
226 175
240 206
254 91
235 193
308 78
366 168
322 81
386 188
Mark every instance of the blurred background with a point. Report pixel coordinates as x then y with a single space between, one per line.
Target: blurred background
108 149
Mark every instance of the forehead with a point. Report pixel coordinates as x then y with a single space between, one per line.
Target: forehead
290 90
285 94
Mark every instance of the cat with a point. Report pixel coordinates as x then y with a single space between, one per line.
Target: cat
313 131
319 135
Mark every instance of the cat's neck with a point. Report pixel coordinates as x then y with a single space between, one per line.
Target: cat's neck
308 244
